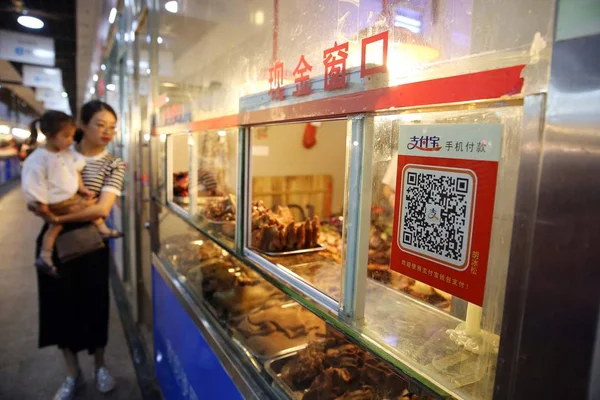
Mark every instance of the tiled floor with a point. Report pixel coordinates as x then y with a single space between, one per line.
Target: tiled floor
26 372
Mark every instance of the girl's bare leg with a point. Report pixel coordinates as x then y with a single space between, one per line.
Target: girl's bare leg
48 243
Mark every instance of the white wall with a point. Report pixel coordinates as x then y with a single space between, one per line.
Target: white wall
288 157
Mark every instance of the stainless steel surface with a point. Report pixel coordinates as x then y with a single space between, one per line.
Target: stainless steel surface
555 332
291 252
243 375
525 209
358 223
242 188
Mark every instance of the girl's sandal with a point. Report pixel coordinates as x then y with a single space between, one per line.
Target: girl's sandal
46 268
113 234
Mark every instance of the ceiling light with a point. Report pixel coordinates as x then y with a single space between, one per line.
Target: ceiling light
65 95
159 40
111 87
4 129
148 71
92 90
167 99
30 22
95 78
103 67
172 6
112 16
21 133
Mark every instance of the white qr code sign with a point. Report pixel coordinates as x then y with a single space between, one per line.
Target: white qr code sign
445 192
437 213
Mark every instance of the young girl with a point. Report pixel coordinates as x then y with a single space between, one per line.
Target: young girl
51 176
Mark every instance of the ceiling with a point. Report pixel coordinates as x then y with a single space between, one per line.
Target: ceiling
59 24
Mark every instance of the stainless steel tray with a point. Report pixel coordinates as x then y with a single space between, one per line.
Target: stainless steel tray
273 368
275 365
263 358
290 253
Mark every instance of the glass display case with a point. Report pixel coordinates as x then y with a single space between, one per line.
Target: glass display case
348 231
300 223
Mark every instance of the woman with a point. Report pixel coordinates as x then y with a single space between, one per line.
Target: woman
74 309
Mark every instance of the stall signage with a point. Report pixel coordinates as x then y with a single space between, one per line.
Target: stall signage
24 48
42 77
445 191
334 64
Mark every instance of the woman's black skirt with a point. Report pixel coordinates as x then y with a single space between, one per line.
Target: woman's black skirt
73 310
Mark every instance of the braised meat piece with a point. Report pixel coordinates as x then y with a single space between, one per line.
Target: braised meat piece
278 232
302 371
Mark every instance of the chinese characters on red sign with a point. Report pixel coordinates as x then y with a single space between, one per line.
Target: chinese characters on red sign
445 191
334 62
302 77
276 81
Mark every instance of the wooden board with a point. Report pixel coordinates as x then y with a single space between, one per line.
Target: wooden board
302 190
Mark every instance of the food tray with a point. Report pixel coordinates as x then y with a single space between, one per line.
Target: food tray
239 337
292 252
273 368
275 365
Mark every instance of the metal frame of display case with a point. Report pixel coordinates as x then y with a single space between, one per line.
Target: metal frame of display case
522 292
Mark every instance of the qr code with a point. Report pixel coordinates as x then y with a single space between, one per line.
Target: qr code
437 213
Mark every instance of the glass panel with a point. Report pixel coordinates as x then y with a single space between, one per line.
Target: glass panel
214 52
217 152
291 349
178 166
428 328
298 189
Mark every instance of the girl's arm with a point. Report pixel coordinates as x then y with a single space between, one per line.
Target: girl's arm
99 210
83 190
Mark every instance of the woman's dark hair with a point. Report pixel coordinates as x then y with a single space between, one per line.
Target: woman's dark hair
50 123
87 112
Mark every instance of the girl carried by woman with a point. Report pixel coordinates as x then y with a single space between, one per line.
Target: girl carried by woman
51 177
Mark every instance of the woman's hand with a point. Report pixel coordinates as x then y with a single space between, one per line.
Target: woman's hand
42 211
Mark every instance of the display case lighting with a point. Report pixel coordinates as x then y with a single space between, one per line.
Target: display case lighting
65 94
172 6
222 133
41 137
92 90
111 87
112 16
4 129
95 78
159 40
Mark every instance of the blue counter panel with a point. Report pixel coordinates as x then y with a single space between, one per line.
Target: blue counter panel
186 367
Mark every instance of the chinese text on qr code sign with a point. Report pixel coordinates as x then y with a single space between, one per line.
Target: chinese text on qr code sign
437 213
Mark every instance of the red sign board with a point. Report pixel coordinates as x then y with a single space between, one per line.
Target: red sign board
445 192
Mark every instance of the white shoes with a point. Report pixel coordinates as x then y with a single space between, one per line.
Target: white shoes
104 380
105 383
67 389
